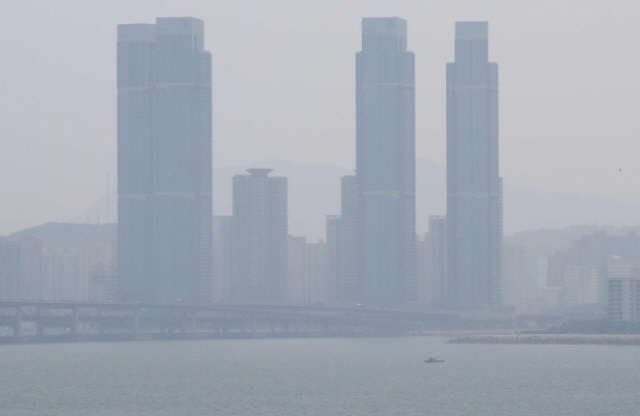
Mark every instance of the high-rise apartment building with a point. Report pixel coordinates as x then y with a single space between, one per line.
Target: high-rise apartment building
260 239
623 289
9 269
222 256
164 162
474 188
343 286
316 273
591 252
297 286
518 286
385 163
333 254
438 254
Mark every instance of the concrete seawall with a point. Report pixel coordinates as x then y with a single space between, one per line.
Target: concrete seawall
573 339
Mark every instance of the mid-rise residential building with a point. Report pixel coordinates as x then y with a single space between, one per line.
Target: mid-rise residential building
623 278
591 252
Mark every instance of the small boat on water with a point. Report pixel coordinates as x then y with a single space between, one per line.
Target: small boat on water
432 360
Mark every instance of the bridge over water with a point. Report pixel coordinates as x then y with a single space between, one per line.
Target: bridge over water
45 321
40 321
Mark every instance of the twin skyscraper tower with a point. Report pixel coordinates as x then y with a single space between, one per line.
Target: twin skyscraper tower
385 169
164 166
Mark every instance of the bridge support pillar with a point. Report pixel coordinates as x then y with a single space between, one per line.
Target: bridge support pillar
75 314
17 329
100 322
135 329
183 320
194 322
39 325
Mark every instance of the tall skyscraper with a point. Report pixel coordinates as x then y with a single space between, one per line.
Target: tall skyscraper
474 189
164 162
385 163
259 242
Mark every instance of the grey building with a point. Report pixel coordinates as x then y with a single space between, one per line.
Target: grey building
297 284
164 162
438 255
385 163
316 273
349 287
623 290
332 226
590 255
222 256
259 242
9 269
343 286
474 189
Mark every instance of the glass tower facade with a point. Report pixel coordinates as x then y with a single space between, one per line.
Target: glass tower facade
474 188
164 162
385 164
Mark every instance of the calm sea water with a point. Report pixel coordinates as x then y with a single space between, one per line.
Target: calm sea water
324 377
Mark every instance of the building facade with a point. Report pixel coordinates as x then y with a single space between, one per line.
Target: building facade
222 256
438 255
260 240
164 162
474 188
343 286
592 251
517 283
623 279
307 280
9 269
385 164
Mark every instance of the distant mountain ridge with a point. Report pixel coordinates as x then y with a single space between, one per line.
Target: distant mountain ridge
55 234
314 193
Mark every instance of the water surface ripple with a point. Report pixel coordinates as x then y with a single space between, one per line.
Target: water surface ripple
317 377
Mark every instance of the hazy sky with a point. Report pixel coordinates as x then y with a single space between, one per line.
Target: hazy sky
284 89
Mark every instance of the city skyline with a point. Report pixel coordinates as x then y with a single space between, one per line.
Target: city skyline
304 187
566 126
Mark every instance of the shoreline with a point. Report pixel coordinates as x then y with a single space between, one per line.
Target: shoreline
566 339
